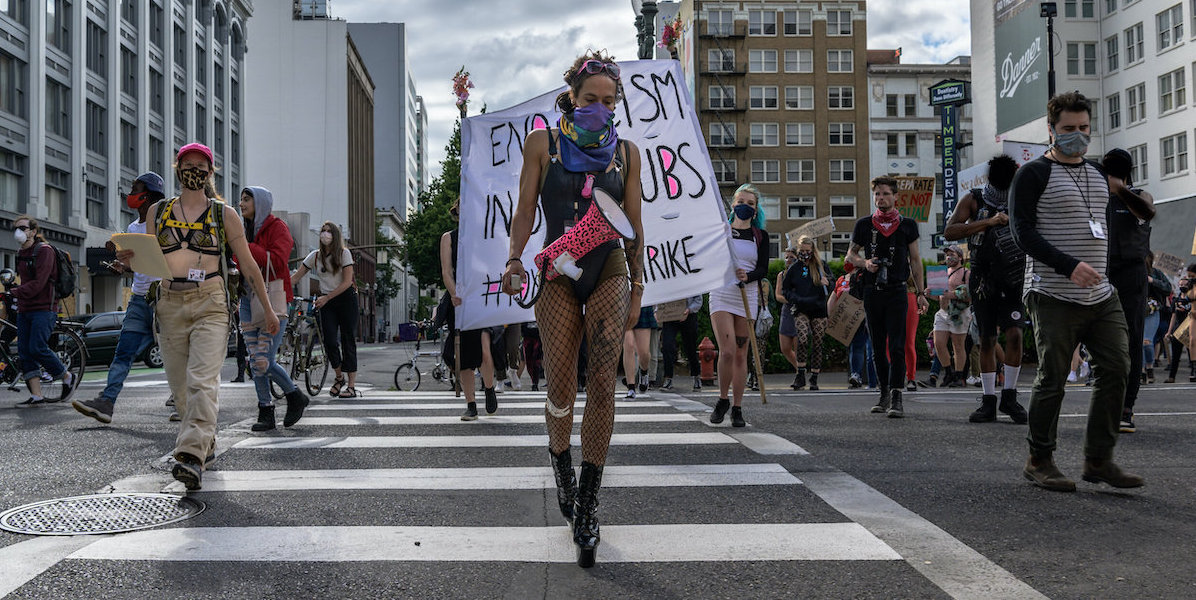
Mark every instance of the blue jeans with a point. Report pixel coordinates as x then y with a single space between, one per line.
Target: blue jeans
33 345
136 334
1151 325
263 350
860 355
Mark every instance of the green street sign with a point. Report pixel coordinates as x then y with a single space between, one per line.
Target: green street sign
950 91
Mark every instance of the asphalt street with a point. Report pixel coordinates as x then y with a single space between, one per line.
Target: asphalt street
391 496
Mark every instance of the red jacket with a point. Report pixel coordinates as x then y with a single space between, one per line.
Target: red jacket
274 241
36 293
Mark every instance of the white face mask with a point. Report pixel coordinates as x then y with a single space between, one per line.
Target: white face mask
20 236
325 237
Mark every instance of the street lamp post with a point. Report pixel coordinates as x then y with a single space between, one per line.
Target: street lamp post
1050 10
645 23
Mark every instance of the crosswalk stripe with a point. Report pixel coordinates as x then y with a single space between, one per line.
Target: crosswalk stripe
459 405
493 420
478 441
620 543
493 478
767 443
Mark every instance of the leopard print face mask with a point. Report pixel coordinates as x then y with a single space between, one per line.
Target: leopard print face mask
193 178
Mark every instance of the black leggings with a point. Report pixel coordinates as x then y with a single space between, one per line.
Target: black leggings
1177 352
338 322
885 312
689 341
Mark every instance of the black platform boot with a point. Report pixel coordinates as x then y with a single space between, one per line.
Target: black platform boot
297 401
585 515
265 419
882 403
896 411
566 482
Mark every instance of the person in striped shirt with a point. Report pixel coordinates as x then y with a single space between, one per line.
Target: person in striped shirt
1057 205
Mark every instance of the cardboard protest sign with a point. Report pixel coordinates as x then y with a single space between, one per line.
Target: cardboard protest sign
670 311
845 319
814 229
1168 263
914 196
687 238
1182 333
937 279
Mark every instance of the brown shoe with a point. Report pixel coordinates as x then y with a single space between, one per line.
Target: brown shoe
1106 471
1046 475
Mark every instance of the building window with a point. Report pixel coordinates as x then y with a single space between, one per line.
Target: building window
1174 150
13 75
128 72
1087 8
762 22
96 120
722 134
218 137
201 121
891 106
839 61
1081 58
799 97
218 81
1114 107
893 144
1172 90
721 61
843 207
157 155
719 22
799 134
1111 52
157 90
799 22
58 108
799 61
12 182
201 65
1138 172
774 239
724 170
1135 47
1110 7
1170 26
799 171
841 97
16 10
57 194
840 244
128 11
180 48
157 23
771 205
97 49
97 210
721 97
128 145
842 134
180 108
911 105
1135 98
762 61
838 22
763 96
842 170
766 171
234 96
58 24
764 134
801 207
234 147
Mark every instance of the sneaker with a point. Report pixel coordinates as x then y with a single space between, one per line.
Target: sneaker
471 412
720 410
911 386
174 416
813 382
188 471
535 387
31 402
99 409
1127 424
668 384
973 381
643 381
491 401
507 384
855 381
66 387
697 384
513 380
630 394
1084 369
737 417
1072 378
933 381
170 400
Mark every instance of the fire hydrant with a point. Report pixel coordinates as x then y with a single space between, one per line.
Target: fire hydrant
707 356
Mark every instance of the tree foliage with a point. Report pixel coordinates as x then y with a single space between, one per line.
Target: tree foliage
421 244
388 284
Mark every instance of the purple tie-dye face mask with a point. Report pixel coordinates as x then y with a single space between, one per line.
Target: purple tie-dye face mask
594 117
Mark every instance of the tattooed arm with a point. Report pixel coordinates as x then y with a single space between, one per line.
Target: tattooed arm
634 248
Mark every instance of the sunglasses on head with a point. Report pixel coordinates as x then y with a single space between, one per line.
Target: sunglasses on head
593 67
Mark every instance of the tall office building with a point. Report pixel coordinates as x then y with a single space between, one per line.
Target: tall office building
780 89
94 92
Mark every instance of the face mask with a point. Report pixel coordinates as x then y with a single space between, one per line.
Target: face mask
193 178
20 236
589 126
325 237
745 211
135 200
1074 143
805 256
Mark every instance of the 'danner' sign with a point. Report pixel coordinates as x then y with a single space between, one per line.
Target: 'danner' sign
1020 63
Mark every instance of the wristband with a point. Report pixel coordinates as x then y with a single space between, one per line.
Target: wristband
509 260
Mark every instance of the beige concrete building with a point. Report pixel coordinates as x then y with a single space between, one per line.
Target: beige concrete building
780 89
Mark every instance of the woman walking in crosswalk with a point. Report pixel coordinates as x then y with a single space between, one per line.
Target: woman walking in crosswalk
562 166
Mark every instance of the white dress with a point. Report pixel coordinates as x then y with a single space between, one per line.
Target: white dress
728 298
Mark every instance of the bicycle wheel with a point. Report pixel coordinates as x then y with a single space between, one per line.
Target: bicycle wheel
407 378
70 350
315 364
275 390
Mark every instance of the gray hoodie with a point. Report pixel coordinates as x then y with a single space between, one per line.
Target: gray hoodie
263 203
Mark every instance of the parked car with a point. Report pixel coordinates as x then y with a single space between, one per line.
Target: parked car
101 331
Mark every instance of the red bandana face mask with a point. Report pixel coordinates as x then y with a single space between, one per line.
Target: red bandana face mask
886 221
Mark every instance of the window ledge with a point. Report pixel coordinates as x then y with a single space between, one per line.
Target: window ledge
1170 48
1175 175
1173 111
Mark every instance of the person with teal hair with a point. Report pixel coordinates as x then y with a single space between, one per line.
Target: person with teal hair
732 324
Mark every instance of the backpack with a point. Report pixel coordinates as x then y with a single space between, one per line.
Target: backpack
67 278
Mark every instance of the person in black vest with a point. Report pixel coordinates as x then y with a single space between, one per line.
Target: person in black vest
885 245
1129 213
998 265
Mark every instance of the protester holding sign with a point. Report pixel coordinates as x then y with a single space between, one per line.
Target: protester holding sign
1159 288
475 344
806 290
787 332
859 348
749 243
562 166
687 325
1182 312
954 317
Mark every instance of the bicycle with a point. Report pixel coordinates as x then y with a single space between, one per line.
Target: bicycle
64 341
407 375
302 348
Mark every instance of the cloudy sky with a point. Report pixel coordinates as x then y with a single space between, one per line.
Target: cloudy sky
517 49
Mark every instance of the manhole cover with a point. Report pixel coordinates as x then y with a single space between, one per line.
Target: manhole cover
99 513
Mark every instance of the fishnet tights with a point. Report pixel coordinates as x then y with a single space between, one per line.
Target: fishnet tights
561 321
804 327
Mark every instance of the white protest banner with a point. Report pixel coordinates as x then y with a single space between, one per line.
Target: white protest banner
687 237
976 176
